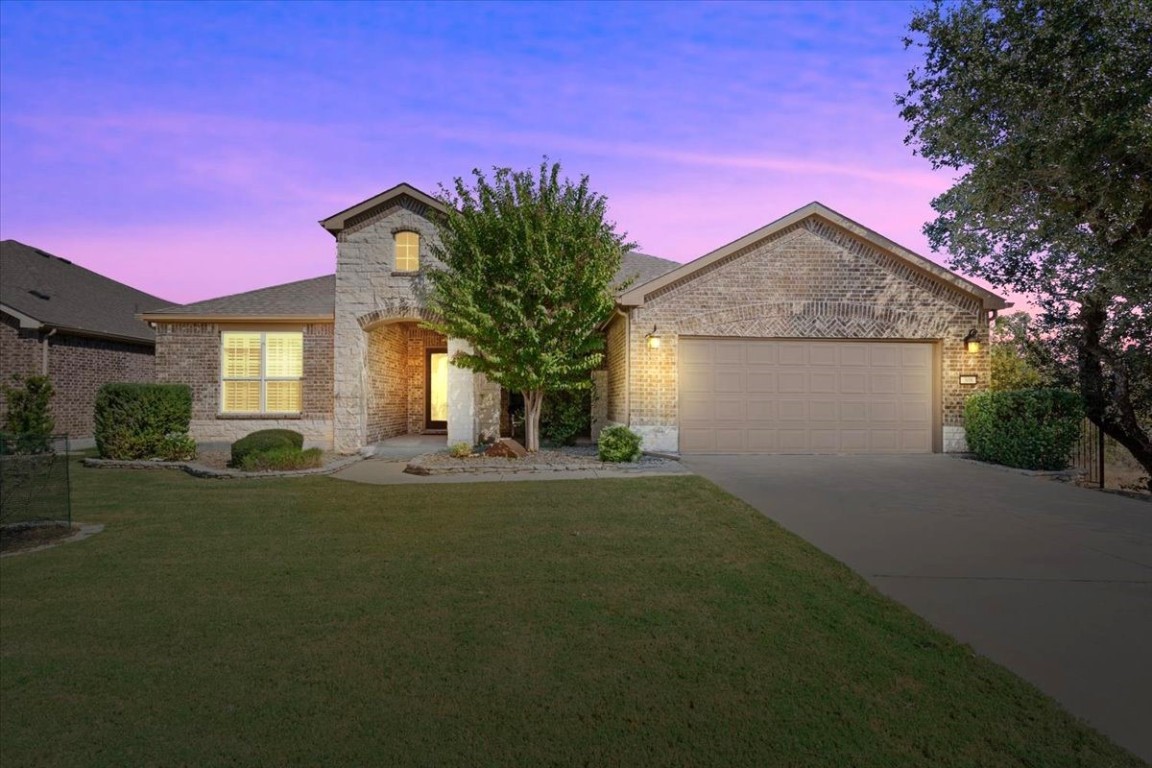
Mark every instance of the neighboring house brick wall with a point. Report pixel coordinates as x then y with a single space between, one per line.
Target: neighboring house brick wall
77 367
811 280
189 353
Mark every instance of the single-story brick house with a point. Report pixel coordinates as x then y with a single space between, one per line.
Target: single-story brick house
812 334
79 328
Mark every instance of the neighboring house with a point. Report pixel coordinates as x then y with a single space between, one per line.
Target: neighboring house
810 335
77 327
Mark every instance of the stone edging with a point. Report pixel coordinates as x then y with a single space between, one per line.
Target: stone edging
83 531
417 467
199 470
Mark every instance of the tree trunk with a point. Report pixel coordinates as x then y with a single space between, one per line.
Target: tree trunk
1120 423
533 399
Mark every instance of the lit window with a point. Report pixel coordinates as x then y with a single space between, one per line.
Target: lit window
260 372
407 252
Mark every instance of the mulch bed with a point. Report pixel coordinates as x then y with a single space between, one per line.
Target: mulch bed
565 459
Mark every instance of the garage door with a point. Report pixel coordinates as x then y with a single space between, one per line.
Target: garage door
768 396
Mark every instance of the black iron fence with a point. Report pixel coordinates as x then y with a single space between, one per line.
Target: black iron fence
1088 453
34 482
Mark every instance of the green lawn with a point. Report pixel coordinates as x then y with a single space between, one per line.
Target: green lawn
619 622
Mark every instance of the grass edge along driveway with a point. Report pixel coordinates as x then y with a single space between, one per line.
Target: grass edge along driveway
653 621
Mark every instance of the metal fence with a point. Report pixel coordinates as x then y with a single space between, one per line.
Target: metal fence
1088 453
34 482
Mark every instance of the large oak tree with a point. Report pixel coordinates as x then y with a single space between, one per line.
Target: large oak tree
528 263
1044 110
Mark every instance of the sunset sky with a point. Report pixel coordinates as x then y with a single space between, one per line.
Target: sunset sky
190 149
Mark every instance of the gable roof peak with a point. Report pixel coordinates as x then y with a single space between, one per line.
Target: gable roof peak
337 221
638 295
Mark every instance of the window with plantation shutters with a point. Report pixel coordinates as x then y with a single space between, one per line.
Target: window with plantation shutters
260 372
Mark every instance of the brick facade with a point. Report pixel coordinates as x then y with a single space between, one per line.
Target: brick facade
189 353
616 363
810 280
77 367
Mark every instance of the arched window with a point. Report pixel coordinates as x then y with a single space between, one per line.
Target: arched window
407 252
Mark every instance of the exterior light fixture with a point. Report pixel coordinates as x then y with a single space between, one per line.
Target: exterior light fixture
972 342
652 339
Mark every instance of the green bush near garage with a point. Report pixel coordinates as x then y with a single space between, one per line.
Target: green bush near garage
1026 428
618 444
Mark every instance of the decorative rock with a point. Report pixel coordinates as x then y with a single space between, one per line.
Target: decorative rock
506 448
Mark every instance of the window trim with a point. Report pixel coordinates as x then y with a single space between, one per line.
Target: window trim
263 378
396 251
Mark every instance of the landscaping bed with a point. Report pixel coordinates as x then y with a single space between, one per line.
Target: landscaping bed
214 464
575 458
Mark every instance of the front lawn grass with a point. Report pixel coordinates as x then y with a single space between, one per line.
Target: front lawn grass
636 622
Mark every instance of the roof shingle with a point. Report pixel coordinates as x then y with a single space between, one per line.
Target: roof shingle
59 294
316 297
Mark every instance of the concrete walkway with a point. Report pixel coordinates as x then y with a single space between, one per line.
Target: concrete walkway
1052 581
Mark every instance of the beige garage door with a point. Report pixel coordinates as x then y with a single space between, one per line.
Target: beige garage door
768 396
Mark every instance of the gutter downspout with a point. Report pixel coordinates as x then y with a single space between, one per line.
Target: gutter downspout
44 351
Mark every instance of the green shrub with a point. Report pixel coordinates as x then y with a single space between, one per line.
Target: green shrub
28 419
565 415
461 450
177 447
1027 428
265 440
134 421
618 444
282 459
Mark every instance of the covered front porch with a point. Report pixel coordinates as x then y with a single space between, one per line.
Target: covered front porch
410 387
406 381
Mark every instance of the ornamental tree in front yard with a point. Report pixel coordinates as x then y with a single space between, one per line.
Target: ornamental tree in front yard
1044 110
528 263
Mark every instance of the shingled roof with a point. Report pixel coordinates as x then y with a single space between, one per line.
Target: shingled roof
315 299
46 291
312 299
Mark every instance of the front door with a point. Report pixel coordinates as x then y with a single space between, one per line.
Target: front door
436 390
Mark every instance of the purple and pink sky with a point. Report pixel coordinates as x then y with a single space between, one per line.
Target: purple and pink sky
188 149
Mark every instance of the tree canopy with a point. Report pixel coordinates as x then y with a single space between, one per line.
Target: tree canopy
528 263
1044 110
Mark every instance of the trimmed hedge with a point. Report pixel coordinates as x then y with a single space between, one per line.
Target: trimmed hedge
142 421
282 459
263 441
618 444
1025 428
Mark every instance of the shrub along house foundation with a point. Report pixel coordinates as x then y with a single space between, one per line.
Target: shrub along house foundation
812 334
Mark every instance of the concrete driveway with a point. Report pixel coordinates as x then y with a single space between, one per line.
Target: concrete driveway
1052 581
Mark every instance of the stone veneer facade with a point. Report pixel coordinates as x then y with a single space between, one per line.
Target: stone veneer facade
812 280
375 305
77 367
189 353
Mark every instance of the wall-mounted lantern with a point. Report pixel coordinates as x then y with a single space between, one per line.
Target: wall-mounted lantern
652 339
972 342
